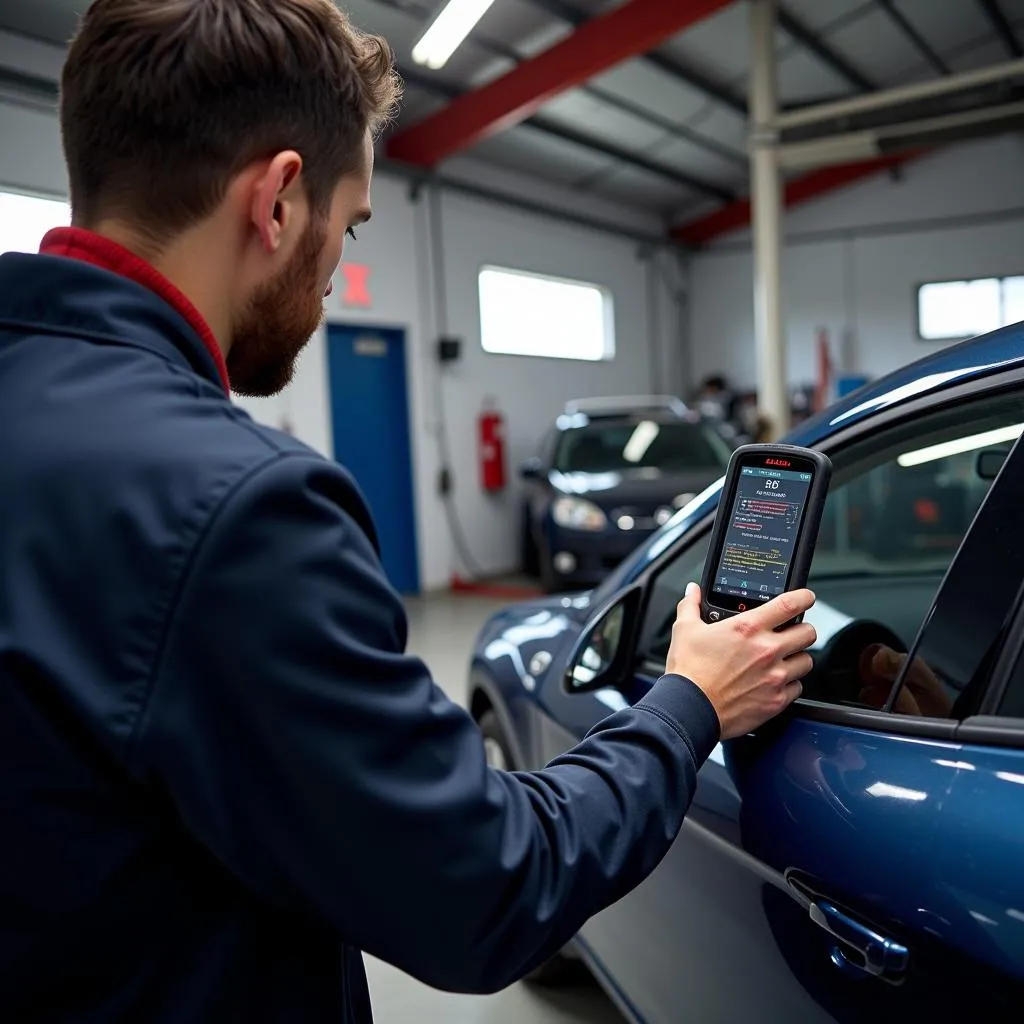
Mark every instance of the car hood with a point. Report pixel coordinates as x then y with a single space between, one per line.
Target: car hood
648 487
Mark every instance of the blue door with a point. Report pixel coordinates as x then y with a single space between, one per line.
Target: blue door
370 418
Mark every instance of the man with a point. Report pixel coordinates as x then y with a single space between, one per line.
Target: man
221 776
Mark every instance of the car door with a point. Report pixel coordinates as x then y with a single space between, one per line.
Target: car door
802 887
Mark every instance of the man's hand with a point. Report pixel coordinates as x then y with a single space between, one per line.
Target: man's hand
749 672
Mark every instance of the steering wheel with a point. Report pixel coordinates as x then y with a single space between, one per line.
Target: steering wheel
836 678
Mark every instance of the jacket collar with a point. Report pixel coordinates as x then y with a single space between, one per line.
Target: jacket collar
86 284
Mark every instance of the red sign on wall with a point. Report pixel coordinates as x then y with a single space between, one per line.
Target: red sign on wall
357 285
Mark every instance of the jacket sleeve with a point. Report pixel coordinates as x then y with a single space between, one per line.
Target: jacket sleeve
329 774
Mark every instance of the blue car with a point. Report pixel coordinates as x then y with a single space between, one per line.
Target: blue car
606 476
861 858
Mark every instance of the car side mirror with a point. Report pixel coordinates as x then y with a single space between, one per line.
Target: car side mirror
532 469
990 462
604 653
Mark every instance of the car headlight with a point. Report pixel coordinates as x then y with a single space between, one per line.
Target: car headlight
578 514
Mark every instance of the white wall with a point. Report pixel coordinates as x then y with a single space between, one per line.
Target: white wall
853 261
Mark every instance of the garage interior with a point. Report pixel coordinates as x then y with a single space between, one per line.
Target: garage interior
796 196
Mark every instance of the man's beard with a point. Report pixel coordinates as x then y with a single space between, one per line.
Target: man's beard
278 322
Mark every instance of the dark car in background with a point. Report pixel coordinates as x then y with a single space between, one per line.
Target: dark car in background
608 474
860 858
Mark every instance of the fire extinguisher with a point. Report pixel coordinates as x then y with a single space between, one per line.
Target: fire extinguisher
492 450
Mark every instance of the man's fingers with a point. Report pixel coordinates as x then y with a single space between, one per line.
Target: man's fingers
781 609
792 692
797 667
797 638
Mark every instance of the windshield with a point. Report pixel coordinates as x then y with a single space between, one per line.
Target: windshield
641 444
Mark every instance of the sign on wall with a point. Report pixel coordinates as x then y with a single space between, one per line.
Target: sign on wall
356 281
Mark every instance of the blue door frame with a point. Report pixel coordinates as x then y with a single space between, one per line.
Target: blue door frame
372 438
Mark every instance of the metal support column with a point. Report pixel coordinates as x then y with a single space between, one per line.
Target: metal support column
766 191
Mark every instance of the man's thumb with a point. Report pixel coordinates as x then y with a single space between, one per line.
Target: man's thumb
689 607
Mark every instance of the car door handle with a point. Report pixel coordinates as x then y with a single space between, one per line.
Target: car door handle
882 957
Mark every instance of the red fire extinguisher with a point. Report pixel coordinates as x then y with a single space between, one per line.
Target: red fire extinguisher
492 450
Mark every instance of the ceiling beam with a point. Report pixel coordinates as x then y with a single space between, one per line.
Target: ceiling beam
671 66
601 43
830 57
736 157
799 190
918 41
1002 27
583 140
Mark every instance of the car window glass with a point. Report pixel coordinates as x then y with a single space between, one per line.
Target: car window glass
667 588
899 506
639 445
1012 704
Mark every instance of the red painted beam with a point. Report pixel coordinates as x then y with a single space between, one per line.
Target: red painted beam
812 186
598 44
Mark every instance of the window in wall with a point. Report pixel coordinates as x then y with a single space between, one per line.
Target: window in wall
525 314
950 310
25 219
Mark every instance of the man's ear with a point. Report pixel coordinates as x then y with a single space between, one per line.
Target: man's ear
275 196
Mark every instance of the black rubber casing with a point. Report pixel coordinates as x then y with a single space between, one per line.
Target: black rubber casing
810 523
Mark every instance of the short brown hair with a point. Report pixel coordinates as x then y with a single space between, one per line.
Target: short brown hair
163 102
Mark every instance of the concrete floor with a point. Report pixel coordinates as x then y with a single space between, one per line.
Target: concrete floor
442 629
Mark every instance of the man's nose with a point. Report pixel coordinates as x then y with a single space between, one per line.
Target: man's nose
330 288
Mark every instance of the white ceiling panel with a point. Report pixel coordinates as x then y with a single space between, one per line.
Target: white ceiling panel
875 46
532 152
700 162
51 20
724 126
718 45
802 77
658 91
522 25
578 110
980 55
945 25
417 104
636 188
819 15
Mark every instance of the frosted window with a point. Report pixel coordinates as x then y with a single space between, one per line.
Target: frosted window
959 309
950 310
1013 300
25 219
529 315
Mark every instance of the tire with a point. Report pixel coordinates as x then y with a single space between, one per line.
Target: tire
560 968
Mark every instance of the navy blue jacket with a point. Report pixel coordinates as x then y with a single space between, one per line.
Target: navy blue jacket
220 776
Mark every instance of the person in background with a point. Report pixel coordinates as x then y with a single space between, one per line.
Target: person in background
716 401
221 776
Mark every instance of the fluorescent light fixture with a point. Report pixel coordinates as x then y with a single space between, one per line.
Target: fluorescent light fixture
447 31
642 438
961 445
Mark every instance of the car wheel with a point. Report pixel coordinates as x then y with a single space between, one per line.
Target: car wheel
560 968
